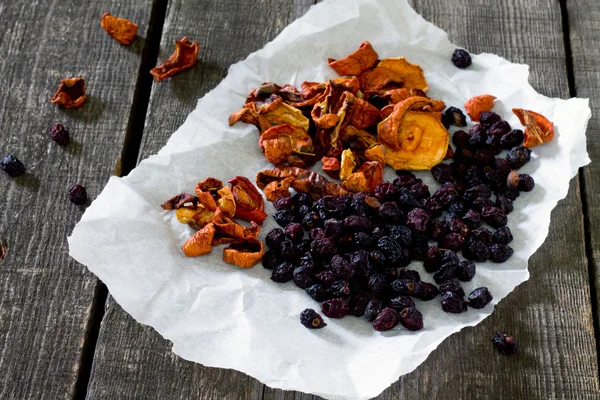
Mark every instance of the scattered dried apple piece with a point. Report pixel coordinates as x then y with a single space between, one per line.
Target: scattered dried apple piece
200 243
355 63
184 57
120 29
244 253
479 104
538 129
70 93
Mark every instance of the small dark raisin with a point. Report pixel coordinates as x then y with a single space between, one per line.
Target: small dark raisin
387 319
373 309
465 271
392 251
294 232
362 240
526 183
504 204
270 260
283 272
505 343
307 259
405 179
390 212
510 194
452 303
461 139
489 118
324 247
399 303
326 277
335 308
342 267
283 203
358 303
377 283
430 291
420 190
340 288
302 199
434 206
405 273
356 223
333 228
386 191
401 234
450 257
433 259
480 297
472 219
411 319
457 226
417 219
500 253
287 250
60 134
283 217
458 208
477 137
477 191
483 234
452 285
476 250
303 246
461 58
377 258
300 212
78 194
446 272
311 220
318 292
457 117
493 216
310 319
502 235
481 202
317 233
511 139
446 121
499 128
518 156
303 277
452 241
442 173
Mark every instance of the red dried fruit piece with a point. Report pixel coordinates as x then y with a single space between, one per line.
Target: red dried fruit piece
331 166
179 201
250 205
281 141
538 128
184 57
479 104
244 253
70 93
355 63
120 29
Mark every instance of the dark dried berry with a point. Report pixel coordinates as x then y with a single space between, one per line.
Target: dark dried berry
386 191
465 271
477 137
401 234
437 229
283 217
476 250
446 121
476 191
457 226
303 277
378 233
340 288
300 212
377 258
317 233
311 220
526 183
390 213
472 219
333 206
510 194
407 201
447 271
457 208
457 117
499 128
363 240
318 292
420 245
377 283
420 190
283 272
502 235
483 234
480 297
60 134
484 157
392 251
335 308
442 173
432 260
411 319
373 309
287 250
387 319
449 257
302 246
429 292
434 206
283 203
505 343
518 156
461 58
326 277
500 253
417 220
504 204
489 118
452 303
333 228
342 267
302 199
452 241
356 223
461 139
308 259
481 202
447 194
511 139
399 303
360 260
452 285
310 319
405 179
405 273
358 303
270 260
324 247
493 144
294 231
78 194
407 287
493 216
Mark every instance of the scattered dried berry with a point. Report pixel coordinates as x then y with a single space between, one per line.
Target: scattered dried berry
294 232
78 194
411 319
283 272
373 309
526 183
387 319
452 285
12 166
505 343
461 58
465 271
452 303
429 292
310 319
480 297
499 253
303 277
319 292
335 308
518 156
502 235
60 134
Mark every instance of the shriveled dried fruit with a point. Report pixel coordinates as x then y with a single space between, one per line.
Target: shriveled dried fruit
452 303
310 319
184 57
479 104
505 343
411 319
249 202
120 29
78 194
387 319
355 63
461 58
12 166
538 129
60 134
244 253
335 308
70 93
200 243
480 297
283 273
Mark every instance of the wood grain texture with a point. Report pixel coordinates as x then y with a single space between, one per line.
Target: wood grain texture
550 314
44 295
133 361
584 20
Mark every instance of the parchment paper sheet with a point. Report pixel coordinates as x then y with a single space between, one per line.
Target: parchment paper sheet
219 315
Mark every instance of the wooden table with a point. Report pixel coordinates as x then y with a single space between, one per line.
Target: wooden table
63 337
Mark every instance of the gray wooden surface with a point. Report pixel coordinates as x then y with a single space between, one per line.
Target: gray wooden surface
45 298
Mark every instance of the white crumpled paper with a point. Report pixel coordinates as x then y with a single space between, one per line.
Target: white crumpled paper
223 316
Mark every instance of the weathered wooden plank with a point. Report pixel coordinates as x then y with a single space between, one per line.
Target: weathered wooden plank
133 361
45 296
584 22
